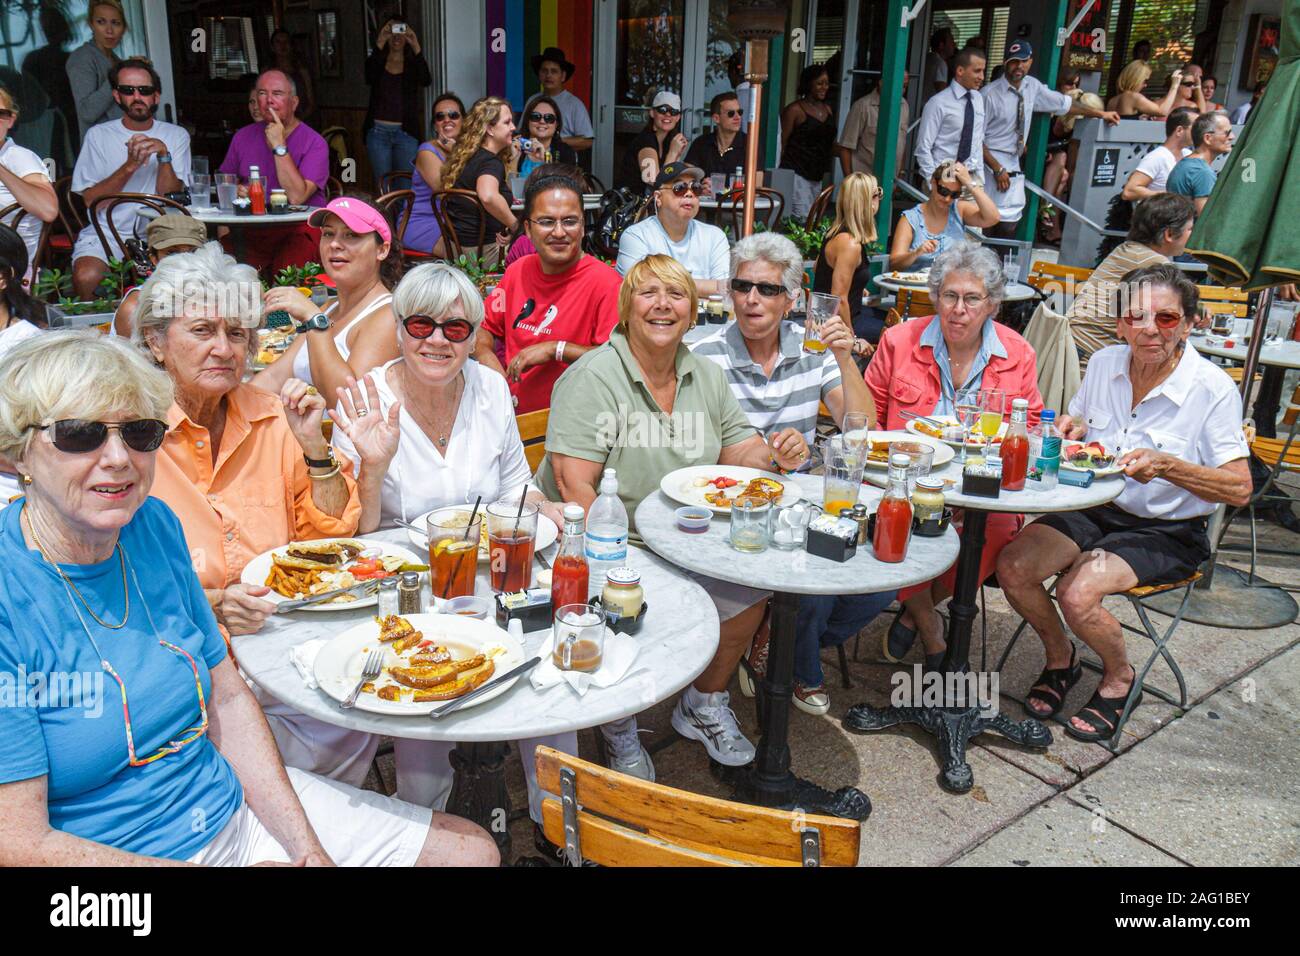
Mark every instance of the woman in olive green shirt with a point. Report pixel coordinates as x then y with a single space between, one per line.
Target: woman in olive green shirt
645 405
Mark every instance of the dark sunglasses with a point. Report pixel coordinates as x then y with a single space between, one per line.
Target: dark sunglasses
1187 83
667 111
681 189
542 117
768 290
732 114
946 193
7 114
142 90
448 115
77 436
1163 320
421 327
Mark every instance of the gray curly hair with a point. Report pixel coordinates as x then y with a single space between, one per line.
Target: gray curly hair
974 259
775 249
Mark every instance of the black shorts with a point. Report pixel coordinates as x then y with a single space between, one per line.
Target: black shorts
1159 552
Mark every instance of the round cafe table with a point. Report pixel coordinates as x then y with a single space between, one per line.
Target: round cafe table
214 217
1275 357
958 721
769 780
676 642
1016 291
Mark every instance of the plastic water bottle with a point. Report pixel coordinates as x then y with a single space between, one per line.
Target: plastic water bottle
1048 461
606 537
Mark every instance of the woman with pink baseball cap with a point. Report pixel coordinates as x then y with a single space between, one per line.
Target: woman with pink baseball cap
354 334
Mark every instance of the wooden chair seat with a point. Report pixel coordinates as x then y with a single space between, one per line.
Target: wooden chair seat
532 432
624 821
1270 451
1053 276
1145 591
1235 373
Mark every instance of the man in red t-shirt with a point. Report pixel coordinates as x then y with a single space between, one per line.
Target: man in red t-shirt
553 307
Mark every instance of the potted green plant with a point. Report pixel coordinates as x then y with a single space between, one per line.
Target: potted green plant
307 280
55 287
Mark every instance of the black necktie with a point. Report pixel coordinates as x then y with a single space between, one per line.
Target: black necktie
967 131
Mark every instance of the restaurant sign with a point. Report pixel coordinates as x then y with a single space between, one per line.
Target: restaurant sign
1086 47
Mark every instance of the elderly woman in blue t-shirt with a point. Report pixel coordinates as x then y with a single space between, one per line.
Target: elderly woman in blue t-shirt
125 729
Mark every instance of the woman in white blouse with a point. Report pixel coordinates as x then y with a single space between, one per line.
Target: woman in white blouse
447 429
1173 421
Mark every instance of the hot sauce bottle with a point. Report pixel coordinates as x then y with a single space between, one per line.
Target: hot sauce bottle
569 573
894 515
1015 447
256 192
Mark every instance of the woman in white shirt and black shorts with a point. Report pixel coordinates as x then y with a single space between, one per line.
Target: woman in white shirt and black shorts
1174 422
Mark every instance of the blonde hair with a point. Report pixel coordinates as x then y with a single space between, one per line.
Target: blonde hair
853 208
473 128
664 268
7 100
74 374
115 4
1133 76
1084 98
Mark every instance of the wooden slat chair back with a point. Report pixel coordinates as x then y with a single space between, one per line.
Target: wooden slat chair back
532 432
456 244
616 820
107 205
1053 276
397 179
912 303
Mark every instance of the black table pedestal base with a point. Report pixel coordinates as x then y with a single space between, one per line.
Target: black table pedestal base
793 793
478 789
954 727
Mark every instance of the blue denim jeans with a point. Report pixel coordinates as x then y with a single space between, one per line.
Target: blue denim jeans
390 148
828 622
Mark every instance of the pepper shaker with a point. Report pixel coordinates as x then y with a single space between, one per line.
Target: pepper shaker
409 593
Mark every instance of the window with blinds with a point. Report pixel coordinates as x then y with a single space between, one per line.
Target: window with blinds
988 22
1170 25
231 50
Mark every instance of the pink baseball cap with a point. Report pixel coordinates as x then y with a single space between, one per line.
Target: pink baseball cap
357 215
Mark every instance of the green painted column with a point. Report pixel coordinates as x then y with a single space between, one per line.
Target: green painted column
891 96
771 109
1045 66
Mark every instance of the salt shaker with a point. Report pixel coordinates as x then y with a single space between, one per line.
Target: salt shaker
388 601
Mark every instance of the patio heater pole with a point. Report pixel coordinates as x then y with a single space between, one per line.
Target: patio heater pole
756 22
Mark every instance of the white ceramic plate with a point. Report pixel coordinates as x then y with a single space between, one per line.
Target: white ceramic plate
338 665
547 532
680 485
256 571
977 440
942 453
907 278
1099 472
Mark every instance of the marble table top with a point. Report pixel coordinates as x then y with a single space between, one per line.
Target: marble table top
677 641
1016 291
214 216
1031 500
793 572
1282 353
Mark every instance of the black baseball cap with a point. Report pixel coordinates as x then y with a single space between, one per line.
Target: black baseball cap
675 171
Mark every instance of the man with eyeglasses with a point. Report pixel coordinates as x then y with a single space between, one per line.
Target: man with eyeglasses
289 155
553 71
1010 103
1194 176
673 231
857 143
133 154
723 149
550 308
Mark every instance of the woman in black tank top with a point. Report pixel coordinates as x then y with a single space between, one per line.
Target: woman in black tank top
808 138
842 265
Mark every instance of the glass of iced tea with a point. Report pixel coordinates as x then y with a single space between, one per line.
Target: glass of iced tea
511 534
579 638
453 551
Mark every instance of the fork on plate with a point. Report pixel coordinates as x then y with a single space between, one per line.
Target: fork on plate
374 665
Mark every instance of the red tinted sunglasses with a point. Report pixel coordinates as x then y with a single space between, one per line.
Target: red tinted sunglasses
1163 320
422 326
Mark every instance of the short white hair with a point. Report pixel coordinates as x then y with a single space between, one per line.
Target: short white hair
431 289
74 374
775 249
972 258
203 282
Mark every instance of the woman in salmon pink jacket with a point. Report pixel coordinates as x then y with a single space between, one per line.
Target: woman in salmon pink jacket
921 366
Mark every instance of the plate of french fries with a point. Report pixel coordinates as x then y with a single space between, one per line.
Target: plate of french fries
302 569
428 659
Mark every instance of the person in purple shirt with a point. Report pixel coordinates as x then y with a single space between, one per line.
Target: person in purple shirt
289 155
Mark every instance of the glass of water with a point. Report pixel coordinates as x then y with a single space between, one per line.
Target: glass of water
201 191
227 190
751 528
199 166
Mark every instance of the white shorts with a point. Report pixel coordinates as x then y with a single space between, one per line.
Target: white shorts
356 827
88 245
802 197
731 600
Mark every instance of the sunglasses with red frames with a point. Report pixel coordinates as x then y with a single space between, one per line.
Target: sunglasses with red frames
681 188
75 436
448 115
1163 320
422 326
542 117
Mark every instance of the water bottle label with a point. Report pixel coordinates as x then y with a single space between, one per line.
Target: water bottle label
606 548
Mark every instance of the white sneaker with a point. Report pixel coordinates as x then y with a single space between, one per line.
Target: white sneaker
712 723
626 755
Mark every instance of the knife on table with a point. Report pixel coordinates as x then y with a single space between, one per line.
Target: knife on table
324 596
523 668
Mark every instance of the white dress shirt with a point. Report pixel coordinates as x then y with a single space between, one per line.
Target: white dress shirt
1195 414
1000 135
484 455
940 132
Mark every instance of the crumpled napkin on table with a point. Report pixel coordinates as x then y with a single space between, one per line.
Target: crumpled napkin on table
616 663
303 657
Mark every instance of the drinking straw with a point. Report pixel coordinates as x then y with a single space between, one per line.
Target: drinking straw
520 513
456 568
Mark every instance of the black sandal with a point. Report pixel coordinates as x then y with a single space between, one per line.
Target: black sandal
1059 680
1108 710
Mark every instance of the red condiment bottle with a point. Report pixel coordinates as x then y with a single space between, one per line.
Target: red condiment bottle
569 572
256 192
894 515
1015 447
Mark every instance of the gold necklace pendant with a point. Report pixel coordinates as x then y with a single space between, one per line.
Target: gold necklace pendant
126 591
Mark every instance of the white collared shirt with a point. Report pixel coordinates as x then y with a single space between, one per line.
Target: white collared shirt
940 132
484 455
1000 114
1195 414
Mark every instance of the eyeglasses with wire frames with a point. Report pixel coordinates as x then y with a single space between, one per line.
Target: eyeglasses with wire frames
423 326
972 301
548 223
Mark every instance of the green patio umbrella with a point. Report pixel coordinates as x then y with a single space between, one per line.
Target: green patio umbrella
1248 233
